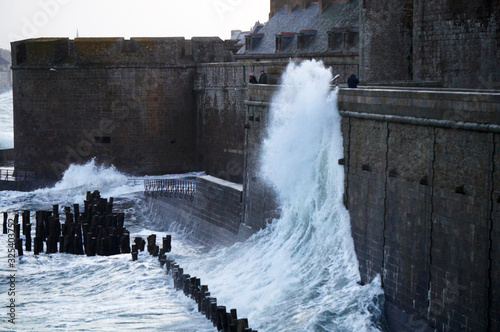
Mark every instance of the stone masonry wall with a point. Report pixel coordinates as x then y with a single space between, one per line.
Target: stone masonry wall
386 40
457 42
260 199
129 103
423 192
221 90
76 114
212 218
452 42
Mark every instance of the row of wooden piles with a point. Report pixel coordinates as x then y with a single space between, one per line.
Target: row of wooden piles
192 287
98 231
94 231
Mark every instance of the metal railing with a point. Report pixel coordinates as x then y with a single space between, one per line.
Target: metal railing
170 188
10 174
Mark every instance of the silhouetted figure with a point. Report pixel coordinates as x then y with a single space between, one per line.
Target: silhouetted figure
263 77
352 82
252 79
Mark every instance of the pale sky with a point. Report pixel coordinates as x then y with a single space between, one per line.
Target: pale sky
23 19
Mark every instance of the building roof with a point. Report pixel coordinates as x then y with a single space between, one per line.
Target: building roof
310 22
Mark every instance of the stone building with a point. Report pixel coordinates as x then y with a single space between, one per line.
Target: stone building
452 44
304 30
455 43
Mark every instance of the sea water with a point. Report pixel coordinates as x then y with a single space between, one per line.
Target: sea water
6 121
298 274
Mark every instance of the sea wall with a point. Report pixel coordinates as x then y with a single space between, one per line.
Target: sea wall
221 90
129 103
261 204
212 216
423 192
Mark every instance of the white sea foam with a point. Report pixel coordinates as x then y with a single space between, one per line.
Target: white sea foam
301 273
6 121
61 292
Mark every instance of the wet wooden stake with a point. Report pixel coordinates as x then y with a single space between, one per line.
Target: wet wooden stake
17 227
5 221
28 237
134 252
19 246
76 210
37 249
17 230
167 243
26 220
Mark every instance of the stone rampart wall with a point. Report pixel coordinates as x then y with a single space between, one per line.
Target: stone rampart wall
423 192
139 119
453 42
129 103
457 42
221 90
212 218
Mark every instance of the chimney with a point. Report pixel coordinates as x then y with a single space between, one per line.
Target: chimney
291 4
323 4
276 5
305 4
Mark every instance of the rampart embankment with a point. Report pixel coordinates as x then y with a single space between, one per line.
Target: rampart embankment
129 103
209 210
423 192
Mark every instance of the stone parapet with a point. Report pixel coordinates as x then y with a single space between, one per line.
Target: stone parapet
212 217
422 187
117 52
440 104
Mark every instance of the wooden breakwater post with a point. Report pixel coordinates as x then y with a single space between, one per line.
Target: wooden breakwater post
192 287
96 230
5 222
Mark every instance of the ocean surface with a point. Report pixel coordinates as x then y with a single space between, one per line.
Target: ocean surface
299 274
6 121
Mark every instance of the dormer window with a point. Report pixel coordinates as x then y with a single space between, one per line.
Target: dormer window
344 39
352 40
304 37
248 42
283 40
335 39
279 42
252 40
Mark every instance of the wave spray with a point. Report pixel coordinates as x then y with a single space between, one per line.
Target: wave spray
301 272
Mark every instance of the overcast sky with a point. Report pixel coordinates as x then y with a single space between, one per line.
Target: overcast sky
23 19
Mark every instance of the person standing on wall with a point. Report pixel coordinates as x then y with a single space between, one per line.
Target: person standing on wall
352 82
252 79
263 77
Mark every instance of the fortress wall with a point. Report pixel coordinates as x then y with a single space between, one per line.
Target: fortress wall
93 51
261 204
137 119
212 218
422 189
457 42
221 91
129 103
220 94
385 40
453 42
